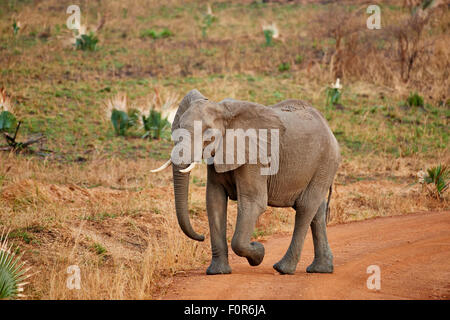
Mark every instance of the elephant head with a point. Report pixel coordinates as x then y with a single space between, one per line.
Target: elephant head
197 118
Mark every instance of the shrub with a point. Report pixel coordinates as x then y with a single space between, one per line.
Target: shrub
299 59
86 42
341 25
165 33
99 248
410 35
284 66
415 100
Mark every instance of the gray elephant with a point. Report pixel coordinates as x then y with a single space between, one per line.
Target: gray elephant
306 162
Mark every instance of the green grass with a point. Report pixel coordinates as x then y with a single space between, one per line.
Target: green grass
415 100
413 131
151 33
22 235
99 249
100 217
258 233
284 66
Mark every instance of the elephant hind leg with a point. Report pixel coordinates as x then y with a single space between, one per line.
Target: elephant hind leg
306 208
323 258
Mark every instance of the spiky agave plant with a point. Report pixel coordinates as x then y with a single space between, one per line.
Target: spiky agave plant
438 177
159 116
121 116
155 124
13 272
7 119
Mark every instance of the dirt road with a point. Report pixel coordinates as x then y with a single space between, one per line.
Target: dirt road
412 251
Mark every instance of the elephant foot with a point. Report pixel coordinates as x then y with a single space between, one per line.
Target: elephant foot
253 252
284 267
218 267
320 266
257 255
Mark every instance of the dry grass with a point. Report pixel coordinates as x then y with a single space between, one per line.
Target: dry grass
61 216
59 224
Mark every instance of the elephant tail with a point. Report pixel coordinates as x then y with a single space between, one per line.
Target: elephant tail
328 205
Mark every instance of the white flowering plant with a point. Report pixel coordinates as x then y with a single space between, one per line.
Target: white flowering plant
270 32
334 93
208 19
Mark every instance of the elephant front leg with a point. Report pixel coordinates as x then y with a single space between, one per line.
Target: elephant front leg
216 206
323 258
248 213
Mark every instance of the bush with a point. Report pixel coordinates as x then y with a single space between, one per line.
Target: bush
284 66
86 42
415 100
299 59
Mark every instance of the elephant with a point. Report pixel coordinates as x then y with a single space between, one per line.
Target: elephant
308 158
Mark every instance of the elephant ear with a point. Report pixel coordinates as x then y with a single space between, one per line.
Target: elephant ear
252 123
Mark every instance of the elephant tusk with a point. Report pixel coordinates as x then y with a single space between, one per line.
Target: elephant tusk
164 166
189 169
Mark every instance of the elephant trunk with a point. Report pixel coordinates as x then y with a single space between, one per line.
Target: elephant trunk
181 190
